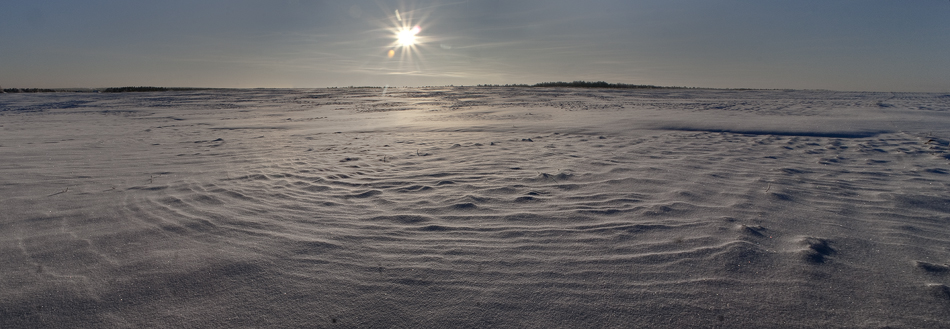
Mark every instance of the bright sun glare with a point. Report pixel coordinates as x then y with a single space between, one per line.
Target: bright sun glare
407 37
408 43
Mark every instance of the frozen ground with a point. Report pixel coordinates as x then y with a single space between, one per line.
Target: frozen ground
475 207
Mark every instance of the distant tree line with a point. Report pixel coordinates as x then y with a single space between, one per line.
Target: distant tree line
505 85
596 84
132 89
106 90
143 89
585 84
27 90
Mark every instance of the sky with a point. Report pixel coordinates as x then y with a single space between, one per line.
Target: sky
849 45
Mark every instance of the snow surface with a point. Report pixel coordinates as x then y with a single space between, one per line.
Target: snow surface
475 207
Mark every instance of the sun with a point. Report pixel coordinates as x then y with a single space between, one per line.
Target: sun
408 43
407 37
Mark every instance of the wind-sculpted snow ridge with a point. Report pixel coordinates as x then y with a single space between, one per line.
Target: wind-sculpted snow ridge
475 207
805 133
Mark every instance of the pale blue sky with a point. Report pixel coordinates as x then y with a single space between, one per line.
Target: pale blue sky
872 45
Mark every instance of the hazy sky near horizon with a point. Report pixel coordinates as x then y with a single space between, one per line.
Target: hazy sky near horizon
866 45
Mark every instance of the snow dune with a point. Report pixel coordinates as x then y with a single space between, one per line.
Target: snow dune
475 207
